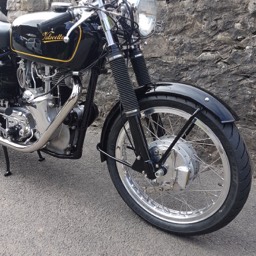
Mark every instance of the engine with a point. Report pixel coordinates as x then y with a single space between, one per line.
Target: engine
27 108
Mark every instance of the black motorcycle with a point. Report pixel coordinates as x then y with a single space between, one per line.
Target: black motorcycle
173 151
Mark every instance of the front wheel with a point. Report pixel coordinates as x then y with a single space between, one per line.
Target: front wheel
208 175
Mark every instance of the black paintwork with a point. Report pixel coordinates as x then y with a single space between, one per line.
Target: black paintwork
49 47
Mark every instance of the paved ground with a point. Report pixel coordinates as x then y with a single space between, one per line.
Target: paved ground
61 207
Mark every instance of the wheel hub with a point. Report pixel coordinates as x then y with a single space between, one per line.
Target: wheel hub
181 166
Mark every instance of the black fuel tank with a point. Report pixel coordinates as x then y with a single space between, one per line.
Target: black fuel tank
49 47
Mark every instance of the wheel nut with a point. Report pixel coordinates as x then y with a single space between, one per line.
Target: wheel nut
159 173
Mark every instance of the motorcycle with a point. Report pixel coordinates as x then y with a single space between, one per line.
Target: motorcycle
173 150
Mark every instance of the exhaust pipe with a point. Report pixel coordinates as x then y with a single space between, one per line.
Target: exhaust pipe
39 144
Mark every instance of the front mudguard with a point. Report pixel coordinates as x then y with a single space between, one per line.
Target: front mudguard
204 98
197 95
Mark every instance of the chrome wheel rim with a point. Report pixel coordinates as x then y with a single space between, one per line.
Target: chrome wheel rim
208 188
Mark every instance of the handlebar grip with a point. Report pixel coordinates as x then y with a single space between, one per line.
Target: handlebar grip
54 22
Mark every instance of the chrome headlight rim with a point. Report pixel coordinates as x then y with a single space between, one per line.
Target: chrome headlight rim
145 16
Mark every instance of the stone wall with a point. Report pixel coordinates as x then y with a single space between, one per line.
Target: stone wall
212 44
18 7
209 43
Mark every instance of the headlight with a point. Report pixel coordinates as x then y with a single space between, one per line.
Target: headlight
145 15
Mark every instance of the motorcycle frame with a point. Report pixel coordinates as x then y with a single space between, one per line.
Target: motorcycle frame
88 104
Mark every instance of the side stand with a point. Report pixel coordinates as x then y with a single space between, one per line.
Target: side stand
7 161
41 158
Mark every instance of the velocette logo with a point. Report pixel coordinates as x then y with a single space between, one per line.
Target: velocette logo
50 37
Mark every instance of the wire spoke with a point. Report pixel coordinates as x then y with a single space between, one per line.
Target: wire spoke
209 167
200 150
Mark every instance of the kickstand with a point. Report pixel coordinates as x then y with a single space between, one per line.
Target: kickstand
7 161
41 158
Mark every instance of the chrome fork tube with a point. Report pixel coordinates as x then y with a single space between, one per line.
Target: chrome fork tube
52 127
105 23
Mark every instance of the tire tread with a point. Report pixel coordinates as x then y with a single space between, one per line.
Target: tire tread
240 164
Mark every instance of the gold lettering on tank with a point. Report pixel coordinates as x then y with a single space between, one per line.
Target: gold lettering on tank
50 37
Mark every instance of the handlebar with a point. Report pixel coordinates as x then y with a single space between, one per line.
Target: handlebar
54 22
79 15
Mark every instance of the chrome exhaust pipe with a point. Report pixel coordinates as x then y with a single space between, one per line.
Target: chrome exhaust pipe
40 143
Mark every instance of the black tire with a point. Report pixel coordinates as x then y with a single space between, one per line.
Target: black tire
217 178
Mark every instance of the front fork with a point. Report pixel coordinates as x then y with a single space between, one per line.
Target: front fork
128 100
131 108
143 162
